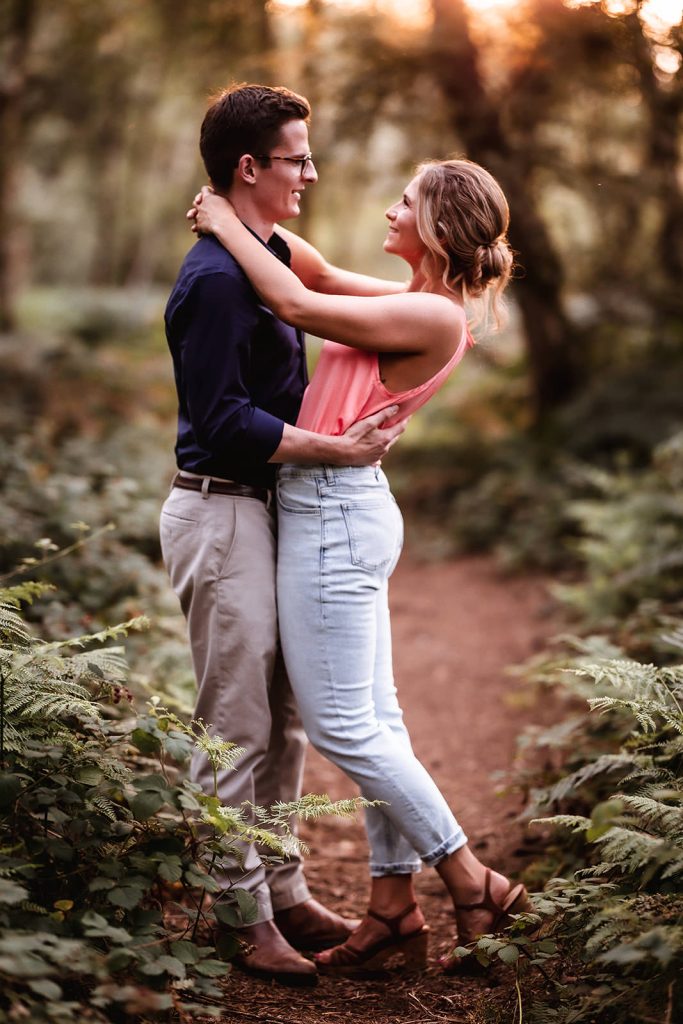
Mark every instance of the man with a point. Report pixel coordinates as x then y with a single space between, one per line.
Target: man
240 375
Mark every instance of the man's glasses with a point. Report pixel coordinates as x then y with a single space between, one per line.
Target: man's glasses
302 161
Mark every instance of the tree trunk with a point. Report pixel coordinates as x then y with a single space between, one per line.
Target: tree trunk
476 120
664 106
308 82
20 19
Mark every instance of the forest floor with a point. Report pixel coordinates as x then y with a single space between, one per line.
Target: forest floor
457 627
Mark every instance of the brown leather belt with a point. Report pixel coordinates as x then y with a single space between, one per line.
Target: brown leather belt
207 485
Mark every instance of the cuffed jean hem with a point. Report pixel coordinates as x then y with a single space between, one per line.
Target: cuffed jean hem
407 868
289 896
449 846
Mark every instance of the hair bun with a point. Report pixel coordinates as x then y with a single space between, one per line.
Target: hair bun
490 261
462 218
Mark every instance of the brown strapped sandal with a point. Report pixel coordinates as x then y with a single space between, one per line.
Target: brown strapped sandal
412 946
515 901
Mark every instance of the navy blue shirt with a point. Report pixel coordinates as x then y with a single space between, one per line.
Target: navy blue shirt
240 372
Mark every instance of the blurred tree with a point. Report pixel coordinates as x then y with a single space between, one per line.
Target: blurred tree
306 78
569 108
17 19
476 116
663 98
123 122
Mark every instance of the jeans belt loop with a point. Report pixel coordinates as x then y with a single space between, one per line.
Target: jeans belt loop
329 475
205 487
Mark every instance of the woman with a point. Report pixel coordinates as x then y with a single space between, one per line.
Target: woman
340 535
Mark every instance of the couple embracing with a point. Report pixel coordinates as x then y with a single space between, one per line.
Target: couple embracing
280 532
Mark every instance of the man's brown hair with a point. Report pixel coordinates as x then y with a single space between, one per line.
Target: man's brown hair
245 119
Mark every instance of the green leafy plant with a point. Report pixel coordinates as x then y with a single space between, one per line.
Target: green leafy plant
631 539
108 901
607 941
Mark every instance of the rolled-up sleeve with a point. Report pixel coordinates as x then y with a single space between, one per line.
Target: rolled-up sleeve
215 363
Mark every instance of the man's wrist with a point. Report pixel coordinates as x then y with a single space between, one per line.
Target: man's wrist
308 448
334 450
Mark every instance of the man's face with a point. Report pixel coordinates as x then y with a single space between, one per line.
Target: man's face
279 185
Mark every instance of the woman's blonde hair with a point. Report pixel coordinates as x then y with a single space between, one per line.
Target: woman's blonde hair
462 218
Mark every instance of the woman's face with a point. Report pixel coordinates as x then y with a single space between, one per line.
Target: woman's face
402 237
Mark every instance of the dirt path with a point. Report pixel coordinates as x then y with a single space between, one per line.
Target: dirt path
457 627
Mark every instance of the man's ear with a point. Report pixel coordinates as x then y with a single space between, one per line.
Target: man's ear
246 169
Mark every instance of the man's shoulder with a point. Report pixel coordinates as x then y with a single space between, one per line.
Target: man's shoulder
207 256
208 262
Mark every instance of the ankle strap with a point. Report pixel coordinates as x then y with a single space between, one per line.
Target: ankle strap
485 904
392 923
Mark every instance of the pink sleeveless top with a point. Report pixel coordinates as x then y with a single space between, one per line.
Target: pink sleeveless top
346 387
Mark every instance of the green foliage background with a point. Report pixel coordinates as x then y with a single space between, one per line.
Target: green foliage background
605 783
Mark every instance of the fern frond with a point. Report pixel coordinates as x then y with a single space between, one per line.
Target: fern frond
24 593
595 871
574 822
560 734
605 933
13 631
656 776
220 753
631 851
285 845
655 816
104 806
138 624
601 766
313 805
662 943
634 677
645 711
109 663
34 908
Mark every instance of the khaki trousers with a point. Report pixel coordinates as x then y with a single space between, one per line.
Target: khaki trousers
220 554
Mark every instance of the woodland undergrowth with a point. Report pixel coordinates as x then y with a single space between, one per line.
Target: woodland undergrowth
110 910
98 827
605 943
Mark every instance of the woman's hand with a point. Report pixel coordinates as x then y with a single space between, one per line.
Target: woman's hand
211 214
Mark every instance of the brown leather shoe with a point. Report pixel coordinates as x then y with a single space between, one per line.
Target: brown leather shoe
271 957
311 926
412 945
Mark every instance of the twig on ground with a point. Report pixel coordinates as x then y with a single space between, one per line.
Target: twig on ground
670 1004
435 1017
254 1016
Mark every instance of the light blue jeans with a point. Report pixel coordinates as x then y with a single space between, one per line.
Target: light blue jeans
340 534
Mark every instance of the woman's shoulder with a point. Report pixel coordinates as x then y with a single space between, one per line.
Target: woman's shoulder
440 309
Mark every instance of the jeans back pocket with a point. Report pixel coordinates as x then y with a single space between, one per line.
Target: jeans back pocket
375 532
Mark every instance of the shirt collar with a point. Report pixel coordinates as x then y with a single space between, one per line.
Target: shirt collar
277 246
